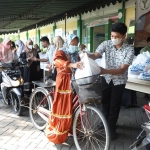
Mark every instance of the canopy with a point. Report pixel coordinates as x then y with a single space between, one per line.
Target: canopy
24 15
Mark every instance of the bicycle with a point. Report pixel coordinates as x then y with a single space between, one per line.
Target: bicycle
90 129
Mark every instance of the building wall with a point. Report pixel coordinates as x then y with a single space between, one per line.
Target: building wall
130 14
46 30
70 26
23 37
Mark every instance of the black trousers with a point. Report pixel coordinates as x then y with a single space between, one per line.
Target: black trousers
111 102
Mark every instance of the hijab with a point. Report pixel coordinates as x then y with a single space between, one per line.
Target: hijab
70 37
20 47
30 52
5 51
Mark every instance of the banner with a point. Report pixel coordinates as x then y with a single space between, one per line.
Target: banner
58 32
142 7
99 22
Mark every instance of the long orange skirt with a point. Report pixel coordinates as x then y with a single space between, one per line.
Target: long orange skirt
60 119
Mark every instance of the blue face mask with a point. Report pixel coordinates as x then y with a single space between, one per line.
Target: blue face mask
72 49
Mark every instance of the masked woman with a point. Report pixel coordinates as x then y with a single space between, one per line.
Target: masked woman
6 54
61 115
29 71
20 46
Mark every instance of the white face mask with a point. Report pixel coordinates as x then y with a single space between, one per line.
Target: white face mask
72 49
116 41
30 46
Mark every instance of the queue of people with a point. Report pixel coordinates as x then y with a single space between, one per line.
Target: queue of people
63 63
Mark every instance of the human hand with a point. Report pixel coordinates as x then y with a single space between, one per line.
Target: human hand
78 65
49 66
30 58
34 59
103 71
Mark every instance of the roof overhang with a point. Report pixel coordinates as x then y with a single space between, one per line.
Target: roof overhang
25 15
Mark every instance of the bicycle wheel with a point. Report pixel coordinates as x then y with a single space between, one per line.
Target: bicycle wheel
36 101
90 130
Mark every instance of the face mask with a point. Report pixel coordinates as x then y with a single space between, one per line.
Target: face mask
43 46
116 41
72 49
30 46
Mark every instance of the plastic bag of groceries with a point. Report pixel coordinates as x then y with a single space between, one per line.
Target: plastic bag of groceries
144 76
142 58
101 61
89 72
136 69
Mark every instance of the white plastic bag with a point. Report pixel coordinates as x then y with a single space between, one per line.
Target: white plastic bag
141 58
86 75
101 61
43 64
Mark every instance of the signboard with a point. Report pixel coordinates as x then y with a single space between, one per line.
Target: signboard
142 7
142 23
58 32
99 22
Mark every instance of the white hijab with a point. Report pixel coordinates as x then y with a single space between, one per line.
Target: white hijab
20 48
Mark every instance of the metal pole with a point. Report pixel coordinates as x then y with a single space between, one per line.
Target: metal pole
27 35
65 23
36 37
18 34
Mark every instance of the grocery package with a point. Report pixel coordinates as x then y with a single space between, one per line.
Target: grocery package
140 67
101 61
89 73
43 64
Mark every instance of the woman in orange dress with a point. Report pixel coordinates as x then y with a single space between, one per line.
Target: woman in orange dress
61 114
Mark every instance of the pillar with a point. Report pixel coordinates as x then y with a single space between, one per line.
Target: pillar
107 30
123 11
27 35
54 27
38 36
79 29
90 39
18 34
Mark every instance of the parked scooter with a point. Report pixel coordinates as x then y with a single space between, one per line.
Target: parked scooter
11 86
143 139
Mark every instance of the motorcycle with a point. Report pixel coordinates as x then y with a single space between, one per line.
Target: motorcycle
11 86
143 139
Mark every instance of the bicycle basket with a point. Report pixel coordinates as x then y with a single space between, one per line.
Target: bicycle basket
87 80
89 93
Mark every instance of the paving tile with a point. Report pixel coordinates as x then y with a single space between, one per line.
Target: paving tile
19 133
